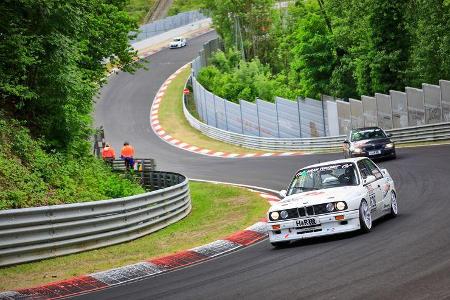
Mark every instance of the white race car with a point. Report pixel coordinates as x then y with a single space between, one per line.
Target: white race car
177 42
332 197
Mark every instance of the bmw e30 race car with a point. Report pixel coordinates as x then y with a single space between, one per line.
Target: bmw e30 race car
332 197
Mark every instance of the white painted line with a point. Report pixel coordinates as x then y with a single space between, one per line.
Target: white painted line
233 155
253 187
267 196
182 145
204 151
267 154
287 153
192 148
167 137
174 141
218 154
160 94
157 127
249 155
161 132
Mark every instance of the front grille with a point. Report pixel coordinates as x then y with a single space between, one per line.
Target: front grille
374 147
306 211
292 213
320 209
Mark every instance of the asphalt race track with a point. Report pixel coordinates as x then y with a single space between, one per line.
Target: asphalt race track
403 258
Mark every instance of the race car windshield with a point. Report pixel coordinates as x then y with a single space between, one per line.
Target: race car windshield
323 177
176 39
367 134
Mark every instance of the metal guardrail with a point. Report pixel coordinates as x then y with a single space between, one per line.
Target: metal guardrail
41 232
431 132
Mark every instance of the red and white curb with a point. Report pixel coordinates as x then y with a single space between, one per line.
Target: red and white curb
159 130
101 280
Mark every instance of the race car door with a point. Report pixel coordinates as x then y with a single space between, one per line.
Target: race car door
379 184
374 189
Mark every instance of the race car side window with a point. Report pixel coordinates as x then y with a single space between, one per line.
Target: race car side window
372 168
363 170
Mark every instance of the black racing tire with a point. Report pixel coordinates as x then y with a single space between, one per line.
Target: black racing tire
280 245
394 205
365 217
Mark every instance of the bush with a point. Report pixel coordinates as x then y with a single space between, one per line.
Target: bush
231 78
29 176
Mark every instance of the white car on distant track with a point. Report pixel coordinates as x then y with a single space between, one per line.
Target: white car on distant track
332 197
177 42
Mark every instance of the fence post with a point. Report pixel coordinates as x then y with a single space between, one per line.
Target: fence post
299 116
278 118
257 117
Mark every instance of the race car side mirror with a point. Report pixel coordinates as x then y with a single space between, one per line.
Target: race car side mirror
282 193
389 135
384 171
369 179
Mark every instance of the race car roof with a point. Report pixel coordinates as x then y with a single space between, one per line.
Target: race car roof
338 161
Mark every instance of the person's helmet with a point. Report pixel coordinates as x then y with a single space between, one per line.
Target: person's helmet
107 145
126 143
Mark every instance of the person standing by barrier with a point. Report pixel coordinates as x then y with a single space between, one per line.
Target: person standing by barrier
108 154
127 154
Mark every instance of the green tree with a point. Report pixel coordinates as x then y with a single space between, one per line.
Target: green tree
429 24
244 24
312 56
52 62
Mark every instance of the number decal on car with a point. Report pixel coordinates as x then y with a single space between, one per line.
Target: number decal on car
372 199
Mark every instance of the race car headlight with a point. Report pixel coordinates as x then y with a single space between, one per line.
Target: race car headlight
355 149
390 145
284 214
330 207
274 215
340 205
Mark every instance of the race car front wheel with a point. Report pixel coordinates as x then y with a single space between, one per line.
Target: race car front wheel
365 216
394 206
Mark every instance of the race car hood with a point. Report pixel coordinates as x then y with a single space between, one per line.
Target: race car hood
379 141
174 43
343 193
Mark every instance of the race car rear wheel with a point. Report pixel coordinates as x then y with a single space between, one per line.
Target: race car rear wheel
365 216
394 205
280 244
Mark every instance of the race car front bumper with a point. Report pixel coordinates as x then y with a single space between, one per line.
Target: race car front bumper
329 224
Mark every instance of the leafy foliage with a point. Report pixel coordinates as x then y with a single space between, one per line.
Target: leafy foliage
232 78
31 177
340 47
53 58
179 6
52 61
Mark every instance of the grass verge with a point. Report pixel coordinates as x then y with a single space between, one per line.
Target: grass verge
172 119
201 226
179 6
138 9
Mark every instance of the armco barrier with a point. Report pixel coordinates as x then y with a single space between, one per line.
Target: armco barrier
36 233
432 132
